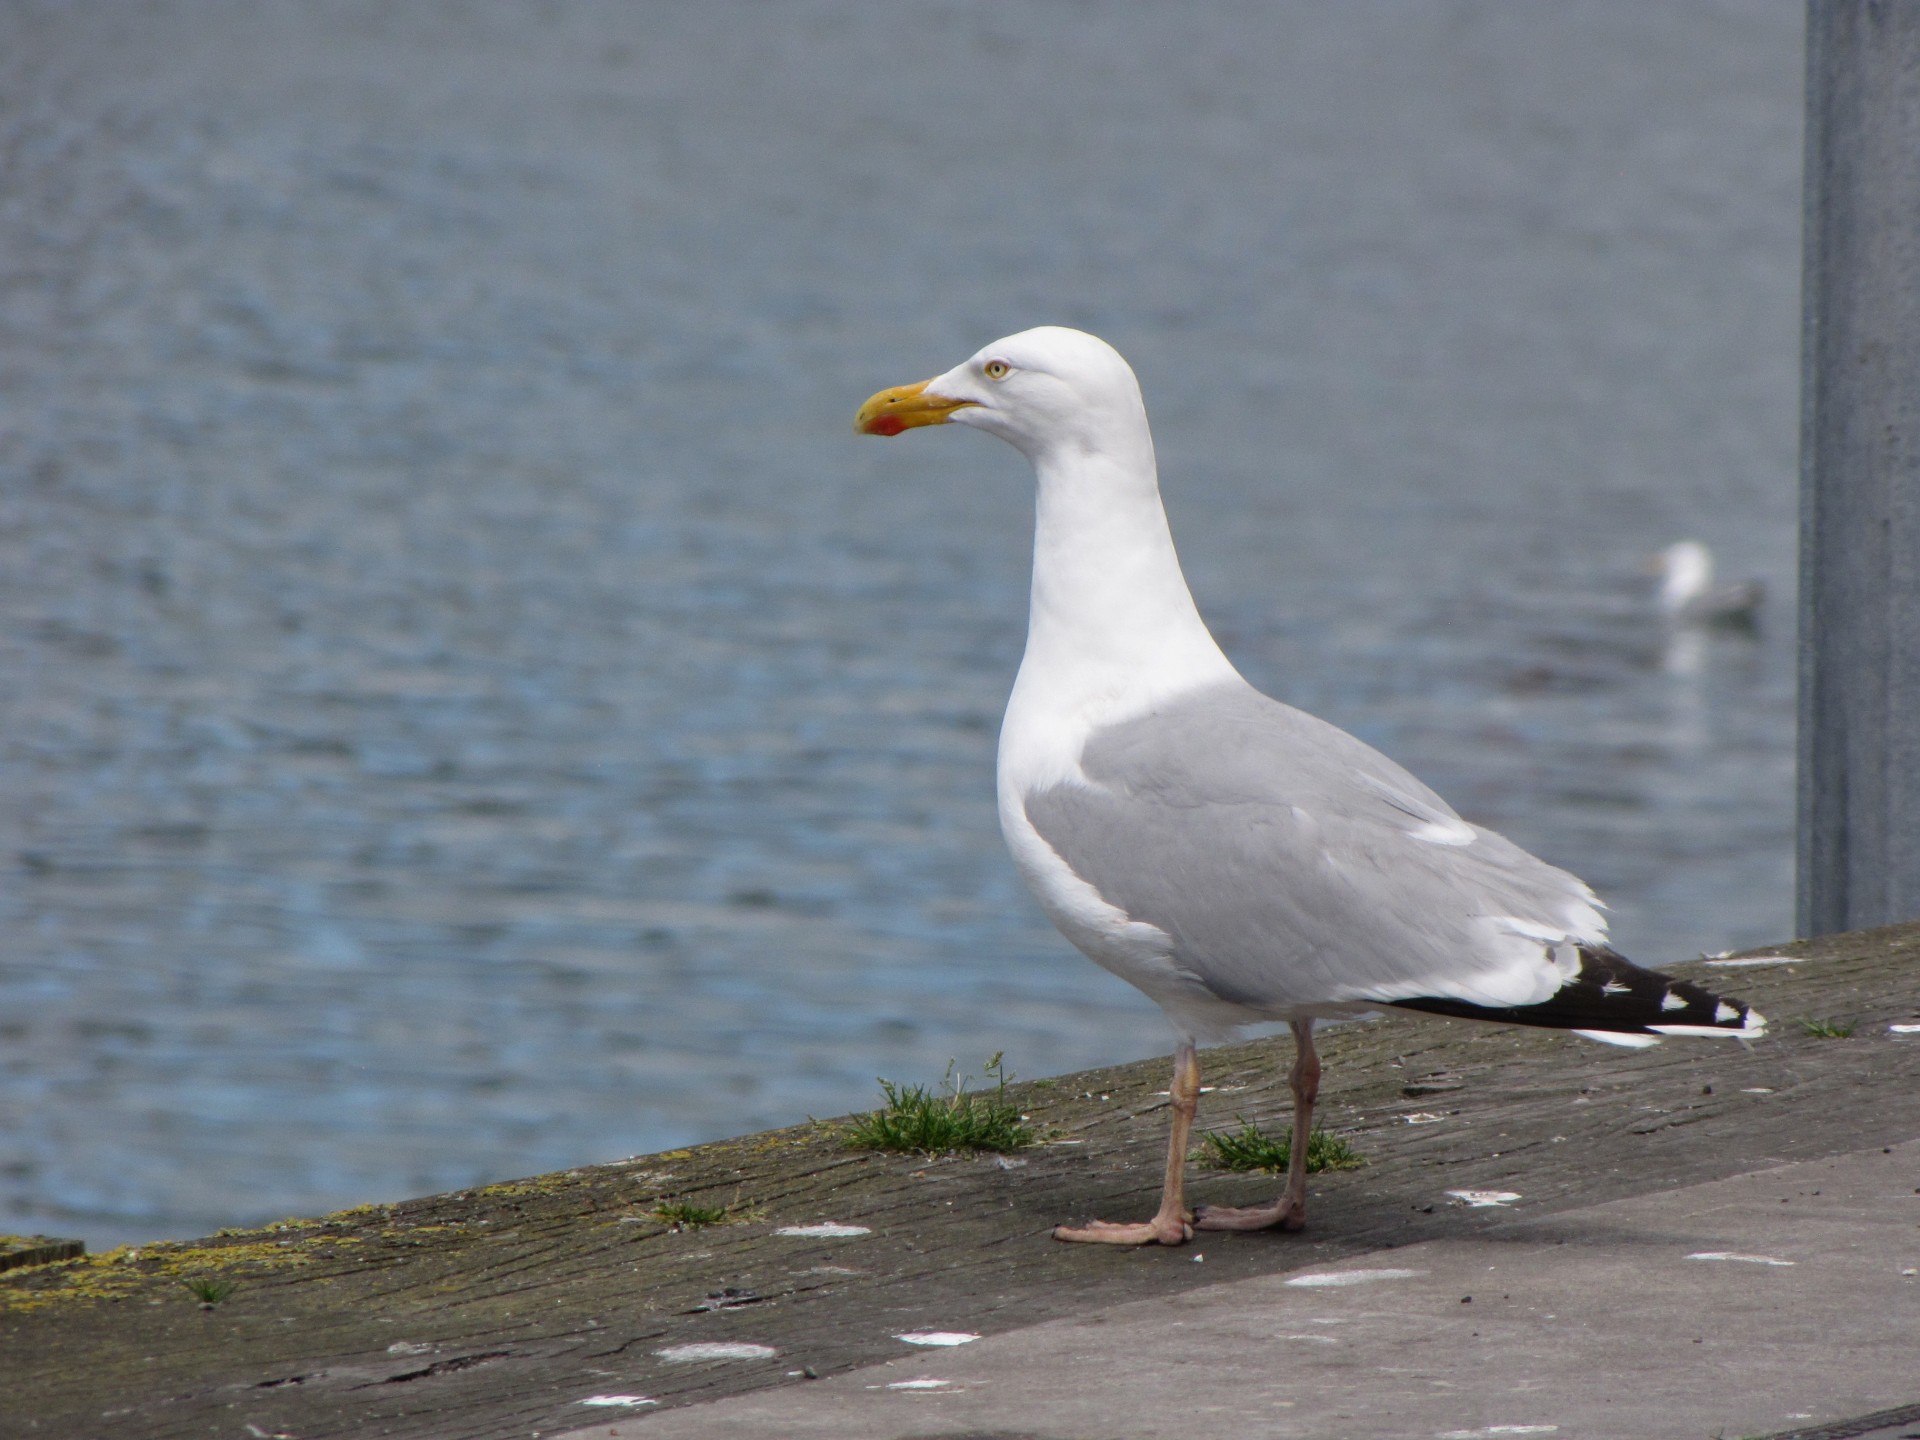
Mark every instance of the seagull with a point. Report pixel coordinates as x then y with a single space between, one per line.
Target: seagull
1238 860
1688 595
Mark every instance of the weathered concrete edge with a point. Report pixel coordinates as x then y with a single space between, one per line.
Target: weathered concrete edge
19 1252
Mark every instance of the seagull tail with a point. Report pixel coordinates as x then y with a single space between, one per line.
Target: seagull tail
1615 1000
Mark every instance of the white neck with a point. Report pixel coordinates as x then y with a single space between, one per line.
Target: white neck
1112 626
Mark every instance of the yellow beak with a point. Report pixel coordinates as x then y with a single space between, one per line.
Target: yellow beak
902 408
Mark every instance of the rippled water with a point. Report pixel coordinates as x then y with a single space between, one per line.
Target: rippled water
468 705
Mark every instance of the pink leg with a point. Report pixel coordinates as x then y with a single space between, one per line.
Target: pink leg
1289 1212
1173 1225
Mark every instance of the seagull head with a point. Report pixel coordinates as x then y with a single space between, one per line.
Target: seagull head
1042 391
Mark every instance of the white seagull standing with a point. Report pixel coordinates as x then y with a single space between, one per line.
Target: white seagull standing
1236 859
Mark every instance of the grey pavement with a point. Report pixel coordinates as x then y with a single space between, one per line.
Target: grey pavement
1781 1300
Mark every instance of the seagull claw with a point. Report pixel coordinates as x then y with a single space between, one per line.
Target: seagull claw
1282 1215
1161 1230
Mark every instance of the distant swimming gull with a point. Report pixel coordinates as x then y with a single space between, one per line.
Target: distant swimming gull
1234 858
1689 596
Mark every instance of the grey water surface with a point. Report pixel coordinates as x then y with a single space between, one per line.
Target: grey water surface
468 704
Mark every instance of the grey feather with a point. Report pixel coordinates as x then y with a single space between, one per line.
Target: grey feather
1279 854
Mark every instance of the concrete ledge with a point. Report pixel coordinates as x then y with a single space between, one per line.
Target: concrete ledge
17 1251
1732 1308
499 1311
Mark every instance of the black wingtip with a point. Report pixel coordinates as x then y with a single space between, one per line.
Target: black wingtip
1613 995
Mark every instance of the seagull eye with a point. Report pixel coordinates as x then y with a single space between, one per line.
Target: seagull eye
996 369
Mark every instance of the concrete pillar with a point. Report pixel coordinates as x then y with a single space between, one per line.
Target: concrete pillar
1859 789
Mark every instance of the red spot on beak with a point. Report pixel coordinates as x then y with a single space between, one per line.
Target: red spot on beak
885 425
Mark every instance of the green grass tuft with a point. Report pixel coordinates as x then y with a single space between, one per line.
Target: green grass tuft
917 1120
1826 1029
1251 1148
209 1291
685 1215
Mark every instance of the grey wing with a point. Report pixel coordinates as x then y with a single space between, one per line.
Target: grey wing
1292 864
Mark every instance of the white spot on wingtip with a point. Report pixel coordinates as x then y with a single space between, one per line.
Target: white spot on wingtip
1734 1255
1725 1014
1671 1001
1711 1032
1614 1037
826 1231
1340 1279
628 1401
1484 1199
938 1337
715 1350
